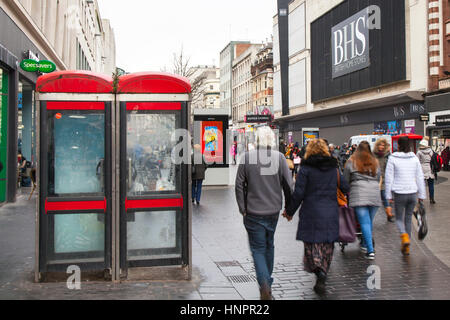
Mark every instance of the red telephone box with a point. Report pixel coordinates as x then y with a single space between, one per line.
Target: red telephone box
155 221
413 138
74 217
111 200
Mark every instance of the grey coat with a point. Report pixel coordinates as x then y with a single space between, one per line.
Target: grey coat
364 189
262 176
425 155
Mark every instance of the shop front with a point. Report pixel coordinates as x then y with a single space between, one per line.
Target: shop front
439 126
360 82
18 112
339 127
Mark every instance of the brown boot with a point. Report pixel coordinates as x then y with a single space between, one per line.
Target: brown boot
405 243
265 293
389 215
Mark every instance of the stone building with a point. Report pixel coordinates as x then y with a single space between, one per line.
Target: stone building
69 33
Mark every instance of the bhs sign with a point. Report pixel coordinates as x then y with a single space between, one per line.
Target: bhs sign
350 41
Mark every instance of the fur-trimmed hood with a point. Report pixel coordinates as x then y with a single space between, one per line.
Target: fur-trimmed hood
321 162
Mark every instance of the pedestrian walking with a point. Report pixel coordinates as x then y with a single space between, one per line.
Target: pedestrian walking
234 148
334 151
262 175
282 147
425 154
344 155
294 157
405 184
445 154
316 192
381 150
199 168
363 173
297 161
289 149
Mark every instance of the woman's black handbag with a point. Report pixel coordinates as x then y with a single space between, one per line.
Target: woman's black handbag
420 214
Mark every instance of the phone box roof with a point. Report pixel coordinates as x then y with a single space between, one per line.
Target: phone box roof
74 82
153 82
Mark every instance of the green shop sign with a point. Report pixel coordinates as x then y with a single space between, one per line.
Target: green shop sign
43 66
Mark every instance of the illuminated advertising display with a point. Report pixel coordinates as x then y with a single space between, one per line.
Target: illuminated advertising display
210 133
212 141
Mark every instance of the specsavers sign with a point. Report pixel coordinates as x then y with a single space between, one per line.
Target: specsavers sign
43 66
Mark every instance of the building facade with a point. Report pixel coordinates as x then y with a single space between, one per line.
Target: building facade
242 103
262 81
227 56
438 100
72 35
205 82
354 67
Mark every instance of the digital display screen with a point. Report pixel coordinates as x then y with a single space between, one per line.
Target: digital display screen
212 141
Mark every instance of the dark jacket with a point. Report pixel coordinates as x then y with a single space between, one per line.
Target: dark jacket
262 176
198 170
316 191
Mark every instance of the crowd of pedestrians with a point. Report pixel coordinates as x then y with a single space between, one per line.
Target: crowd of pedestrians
370 179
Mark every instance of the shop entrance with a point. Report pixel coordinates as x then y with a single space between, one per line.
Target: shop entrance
26 134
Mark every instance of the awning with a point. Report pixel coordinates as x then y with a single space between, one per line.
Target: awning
438 102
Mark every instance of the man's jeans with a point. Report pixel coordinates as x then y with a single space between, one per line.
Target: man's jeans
431 188
365 217
261 231
404 208
197 189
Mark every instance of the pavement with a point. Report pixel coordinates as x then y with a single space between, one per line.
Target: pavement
223 267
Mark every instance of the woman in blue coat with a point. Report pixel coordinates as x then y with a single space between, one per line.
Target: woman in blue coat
316 190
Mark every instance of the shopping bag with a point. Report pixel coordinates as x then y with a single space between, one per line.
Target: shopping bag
420 214
347 225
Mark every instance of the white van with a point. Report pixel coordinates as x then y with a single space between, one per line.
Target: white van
371 139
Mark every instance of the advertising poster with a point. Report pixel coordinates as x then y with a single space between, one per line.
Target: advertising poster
410 126
212 141
309 135
392 128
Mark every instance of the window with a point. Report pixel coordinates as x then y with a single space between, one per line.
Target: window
82 62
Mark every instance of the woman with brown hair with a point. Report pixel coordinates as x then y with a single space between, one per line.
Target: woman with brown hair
381 150
316 191
363 173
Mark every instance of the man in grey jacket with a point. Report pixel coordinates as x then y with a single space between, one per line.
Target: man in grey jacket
262 175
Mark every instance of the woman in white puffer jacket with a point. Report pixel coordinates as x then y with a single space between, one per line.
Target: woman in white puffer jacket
405 185
425 154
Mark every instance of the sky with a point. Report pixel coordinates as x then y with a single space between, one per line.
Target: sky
149 32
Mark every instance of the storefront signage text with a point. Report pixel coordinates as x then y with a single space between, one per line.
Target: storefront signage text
414 108
43 66
258 118
443 120
425 117
350 41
